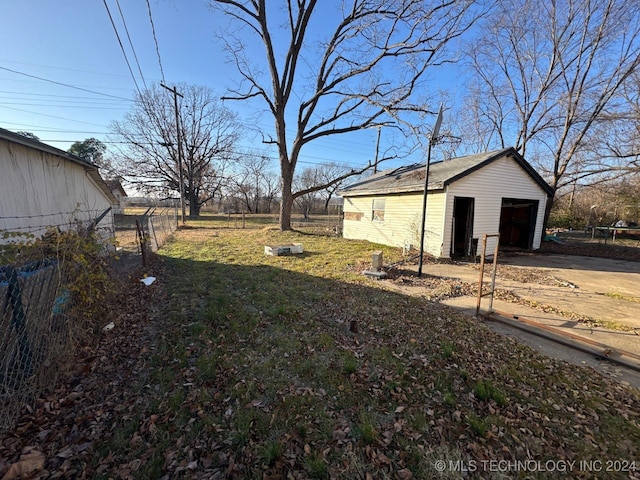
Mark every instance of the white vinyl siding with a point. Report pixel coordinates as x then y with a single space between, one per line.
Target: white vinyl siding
503 178
402 220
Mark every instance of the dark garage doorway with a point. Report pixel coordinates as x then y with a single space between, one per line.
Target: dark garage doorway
462 244
518 222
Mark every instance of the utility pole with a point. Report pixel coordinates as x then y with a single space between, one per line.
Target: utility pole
180 181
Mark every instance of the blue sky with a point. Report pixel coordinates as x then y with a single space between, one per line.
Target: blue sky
73 42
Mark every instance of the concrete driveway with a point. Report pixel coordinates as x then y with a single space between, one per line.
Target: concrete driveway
602 289
607 290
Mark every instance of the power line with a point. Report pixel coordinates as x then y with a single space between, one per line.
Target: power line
79 99
66 105
106 142
52 116
155 40
93 72
63 84
122 47
38 128
131 43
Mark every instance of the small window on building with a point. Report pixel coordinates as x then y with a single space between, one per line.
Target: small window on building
377 214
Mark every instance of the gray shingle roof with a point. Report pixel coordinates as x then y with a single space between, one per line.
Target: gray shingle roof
410 178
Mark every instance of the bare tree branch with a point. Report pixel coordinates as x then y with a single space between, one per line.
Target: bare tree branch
209 132
338 71
547 76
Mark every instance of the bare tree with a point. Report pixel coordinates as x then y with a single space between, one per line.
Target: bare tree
270 189
208 132
600 204
623 143
328 172
305 181
251 182
546 74
333 71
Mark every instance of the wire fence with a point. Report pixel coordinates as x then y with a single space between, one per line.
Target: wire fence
329 224
57 276
143 228
53 288
33 333
26 227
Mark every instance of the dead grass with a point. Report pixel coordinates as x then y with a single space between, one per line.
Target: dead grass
276 332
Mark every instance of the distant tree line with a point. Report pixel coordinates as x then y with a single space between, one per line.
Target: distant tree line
601 204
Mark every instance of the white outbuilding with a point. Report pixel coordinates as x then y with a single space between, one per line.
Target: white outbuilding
487 193
42 187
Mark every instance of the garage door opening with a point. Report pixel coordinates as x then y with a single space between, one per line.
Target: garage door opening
518 222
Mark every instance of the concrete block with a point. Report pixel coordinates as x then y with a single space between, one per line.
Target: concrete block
286 249
376 260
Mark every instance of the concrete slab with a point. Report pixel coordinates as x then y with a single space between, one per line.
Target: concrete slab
607 290
549 347
285 249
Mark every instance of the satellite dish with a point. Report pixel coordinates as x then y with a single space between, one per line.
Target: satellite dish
436 127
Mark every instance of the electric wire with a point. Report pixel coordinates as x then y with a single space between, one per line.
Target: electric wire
92 72
63 84
66 105
126 59
135 56
52 116
155 40
97 101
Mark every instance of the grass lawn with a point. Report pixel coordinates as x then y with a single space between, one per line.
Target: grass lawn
255 372
259 374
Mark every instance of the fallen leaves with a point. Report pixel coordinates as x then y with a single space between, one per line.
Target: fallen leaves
30 462
223 381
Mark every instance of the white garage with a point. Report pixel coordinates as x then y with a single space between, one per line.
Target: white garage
491 192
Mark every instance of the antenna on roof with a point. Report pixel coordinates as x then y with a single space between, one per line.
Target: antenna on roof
433 138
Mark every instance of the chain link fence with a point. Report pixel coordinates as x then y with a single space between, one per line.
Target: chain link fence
147 225
323 224
52 290
55 283
33 332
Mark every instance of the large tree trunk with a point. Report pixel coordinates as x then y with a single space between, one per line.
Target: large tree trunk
194 206
286 205
550 201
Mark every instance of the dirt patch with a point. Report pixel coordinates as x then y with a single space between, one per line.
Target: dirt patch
527 275
432 287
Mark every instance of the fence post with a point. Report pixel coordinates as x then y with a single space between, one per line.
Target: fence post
143 243
152 234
